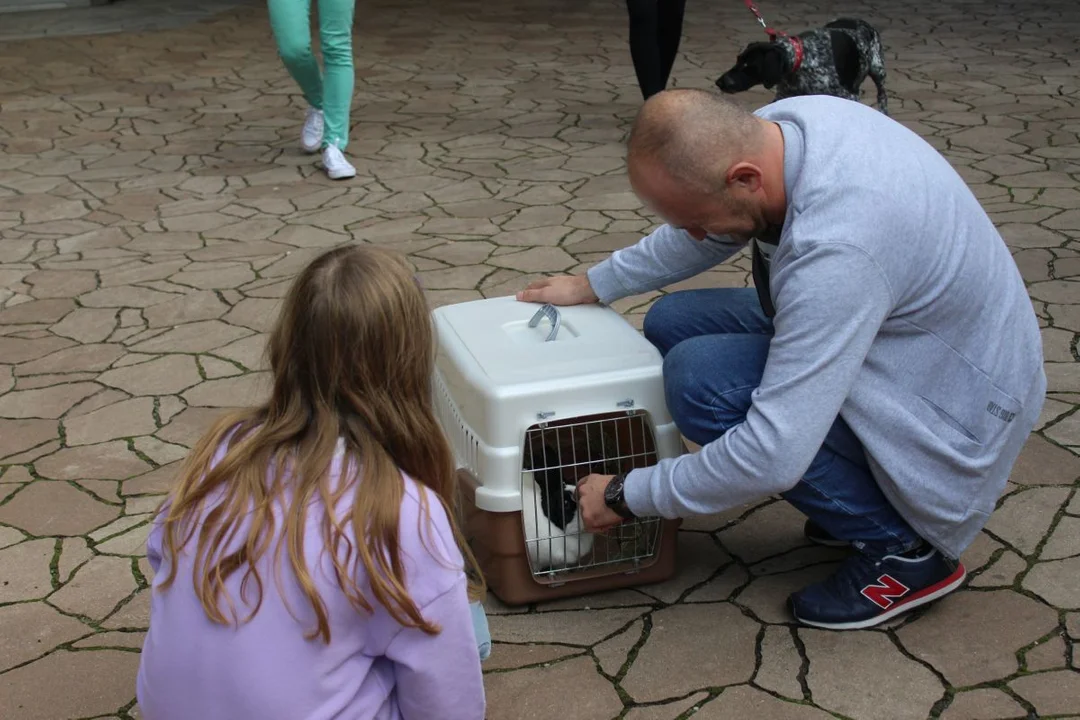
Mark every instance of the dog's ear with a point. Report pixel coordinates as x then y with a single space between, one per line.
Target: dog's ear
771 66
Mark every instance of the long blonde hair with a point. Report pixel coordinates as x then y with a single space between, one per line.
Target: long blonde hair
351 357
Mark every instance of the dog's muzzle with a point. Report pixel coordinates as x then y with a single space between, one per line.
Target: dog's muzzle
729 84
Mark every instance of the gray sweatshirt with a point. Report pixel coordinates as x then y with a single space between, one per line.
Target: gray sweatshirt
898 307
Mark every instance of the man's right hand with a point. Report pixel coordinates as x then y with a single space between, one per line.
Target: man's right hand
562 290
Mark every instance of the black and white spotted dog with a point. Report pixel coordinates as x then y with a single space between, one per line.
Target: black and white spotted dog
833 60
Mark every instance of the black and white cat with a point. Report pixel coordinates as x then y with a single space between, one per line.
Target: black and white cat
553 530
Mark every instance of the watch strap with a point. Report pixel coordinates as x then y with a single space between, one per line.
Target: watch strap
616 497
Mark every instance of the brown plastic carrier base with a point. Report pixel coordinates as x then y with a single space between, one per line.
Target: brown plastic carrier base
497 540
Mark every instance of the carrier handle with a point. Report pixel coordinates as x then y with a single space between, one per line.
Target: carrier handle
551 313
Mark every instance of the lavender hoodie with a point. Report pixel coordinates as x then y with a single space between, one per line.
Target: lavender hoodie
372 669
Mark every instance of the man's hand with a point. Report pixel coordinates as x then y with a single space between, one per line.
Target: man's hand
595 514
562 290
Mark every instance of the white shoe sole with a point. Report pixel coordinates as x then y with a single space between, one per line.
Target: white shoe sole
954 581
341 174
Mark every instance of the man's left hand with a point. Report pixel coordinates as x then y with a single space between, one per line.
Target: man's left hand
595 514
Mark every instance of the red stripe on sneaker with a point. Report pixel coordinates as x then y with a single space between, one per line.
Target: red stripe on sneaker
956 575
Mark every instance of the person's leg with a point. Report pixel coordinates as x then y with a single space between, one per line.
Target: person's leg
480 627
709 380
689 313
644 46
290 21
669 27
715 343
335 32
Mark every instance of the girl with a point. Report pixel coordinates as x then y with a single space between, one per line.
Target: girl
306 564
655 32
329 98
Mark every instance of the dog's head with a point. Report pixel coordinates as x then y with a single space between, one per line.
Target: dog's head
761 63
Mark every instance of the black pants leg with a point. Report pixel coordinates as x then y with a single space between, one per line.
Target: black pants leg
670 32
655 32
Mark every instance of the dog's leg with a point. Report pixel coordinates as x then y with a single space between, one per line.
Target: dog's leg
877 73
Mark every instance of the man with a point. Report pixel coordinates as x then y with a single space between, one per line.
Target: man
882 377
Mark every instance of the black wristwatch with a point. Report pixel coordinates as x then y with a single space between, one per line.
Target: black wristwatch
615 497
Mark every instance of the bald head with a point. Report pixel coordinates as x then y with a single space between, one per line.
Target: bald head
692 137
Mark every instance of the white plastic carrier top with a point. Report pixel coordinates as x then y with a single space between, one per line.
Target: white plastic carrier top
497 376
496 334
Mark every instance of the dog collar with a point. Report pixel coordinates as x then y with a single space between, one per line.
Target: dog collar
796 43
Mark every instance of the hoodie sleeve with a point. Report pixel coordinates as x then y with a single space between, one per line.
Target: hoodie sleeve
831 302
665 256
438 676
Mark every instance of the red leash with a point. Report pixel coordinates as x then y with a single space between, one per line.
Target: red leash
796 41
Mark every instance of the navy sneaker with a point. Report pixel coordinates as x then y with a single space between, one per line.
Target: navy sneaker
866 591
817 535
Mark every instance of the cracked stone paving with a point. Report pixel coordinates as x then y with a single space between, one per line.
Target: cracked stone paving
154 205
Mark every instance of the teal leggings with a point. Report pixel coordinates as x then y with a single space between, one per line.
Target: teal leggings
330 92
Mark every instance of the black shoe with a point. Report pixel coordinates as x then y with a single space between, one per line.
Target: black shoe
865 591
817 535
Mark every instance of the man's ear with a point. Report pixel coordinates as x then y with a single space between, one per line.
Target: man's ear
745 177
771 66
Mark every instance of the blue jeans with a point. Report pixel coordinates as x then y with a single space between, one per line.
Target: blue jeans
714 344
480 627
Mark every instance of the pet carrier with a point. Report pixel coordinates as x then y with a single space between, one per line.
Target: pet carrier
534 398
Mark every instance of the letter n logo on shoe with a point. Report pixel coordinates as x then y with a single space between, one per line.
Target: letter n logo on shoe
885 592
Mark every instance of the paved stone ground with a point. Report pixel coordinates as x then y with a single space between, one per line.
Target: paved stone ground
154 205
118 16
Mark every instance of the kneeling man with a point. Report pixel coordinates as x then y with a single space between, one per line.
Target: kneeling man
883 374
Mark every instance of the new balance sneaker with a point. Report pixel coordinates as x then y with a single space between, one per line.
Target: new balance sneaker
866 591
817 535
337 167
311 136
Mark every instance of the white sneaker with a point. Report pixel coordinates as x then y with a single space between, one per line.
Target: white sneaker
312 136
337 167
